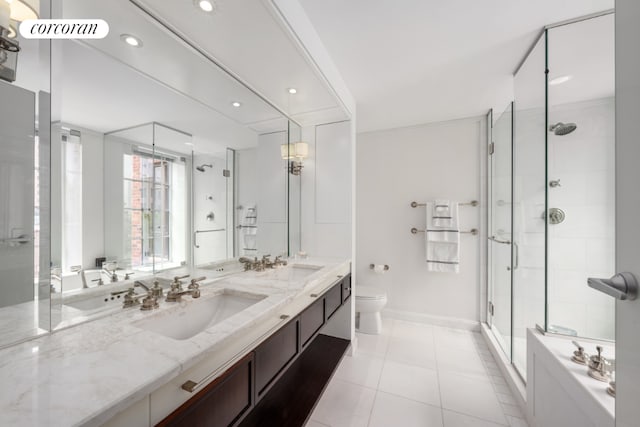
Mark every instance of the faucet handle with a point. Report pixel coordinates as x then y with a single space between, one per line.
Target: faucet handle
177 278
128 275
149 302
194 282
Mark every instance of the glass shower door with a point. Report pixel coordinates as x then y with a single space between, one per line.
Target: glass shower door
529 202
500 230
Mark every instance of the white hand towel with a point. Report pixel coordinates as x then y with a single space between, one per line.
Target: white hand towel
442 242
441 215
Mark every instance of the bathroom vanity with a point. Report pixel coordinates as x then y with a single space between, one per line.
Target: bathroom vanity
179 365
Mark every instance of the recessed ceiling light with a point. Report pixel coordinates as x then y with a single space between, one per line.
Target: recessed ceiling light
205 5
236 104
190 144
292 90
560 80
131 40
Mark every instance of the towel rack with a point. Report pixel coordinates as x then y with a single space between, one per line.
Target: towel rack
471 203
473 231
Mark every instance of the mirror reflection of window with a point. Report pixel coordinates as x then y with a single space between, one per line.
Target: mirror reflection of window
151 205
71 148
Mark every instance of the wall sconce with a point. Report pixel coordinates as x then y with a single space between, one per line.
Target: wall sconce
12 12
295 154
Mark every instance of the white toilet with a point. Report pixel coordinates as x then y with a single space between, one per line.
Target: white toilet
369 303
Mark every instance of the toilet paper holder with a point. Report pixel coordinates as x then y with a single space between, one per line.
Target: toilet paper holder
373 266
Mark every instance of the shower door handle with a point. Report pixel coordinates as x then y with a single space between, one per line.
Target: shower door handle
622 286
516 260
504 242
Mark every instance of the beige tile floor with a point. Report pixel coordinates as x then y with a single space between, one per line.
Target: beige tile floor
418 375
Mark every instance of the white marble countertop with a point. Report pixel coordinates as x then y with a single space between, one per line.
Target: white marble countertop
85 374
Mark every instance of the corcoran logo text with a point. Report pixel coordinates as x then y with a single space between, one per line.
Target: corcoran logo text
64 29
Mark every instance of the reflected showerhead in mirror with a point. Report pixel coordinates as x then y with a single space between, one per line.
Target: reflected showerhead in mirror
201 167
562 128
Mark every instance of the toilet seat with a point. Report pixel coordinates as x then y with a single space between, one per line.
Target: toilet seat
370 293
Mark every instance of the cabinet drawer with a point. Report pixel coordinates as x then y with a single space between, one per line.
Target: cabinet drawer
222 403
333 299
274 354
346 287
311 320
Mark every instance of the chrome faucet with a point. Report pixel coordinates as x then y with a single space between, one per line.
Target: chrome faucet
247 262
140 284
111 273
78 269
131 299
279 261
176 292
262 264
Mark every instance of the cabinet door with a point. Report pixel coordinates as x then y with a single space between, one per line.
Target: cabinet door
333 299
273 355
311 320
222 403
346 287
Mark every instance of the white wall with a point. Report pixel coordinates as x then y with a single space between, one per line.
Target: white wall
583 245
261 181
326 191
420 163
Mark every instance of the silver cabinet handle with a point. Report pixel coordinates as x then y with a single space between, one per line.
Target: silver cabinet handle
622 286
192 386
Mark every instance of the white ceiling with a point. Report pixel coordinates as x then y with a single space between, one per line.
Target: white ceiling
105 85
417 61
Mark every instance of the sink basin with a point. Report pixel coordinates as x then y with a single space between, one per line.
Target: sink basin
188 319
292 272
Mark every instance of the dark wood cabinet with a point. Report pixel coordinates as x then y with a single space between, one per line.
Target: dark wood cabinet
333 299
273 355
346 287
277 383
224 402
311 320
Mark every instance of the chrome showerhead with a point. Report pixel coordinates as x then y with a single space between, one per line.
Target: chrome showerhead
562 128
201 167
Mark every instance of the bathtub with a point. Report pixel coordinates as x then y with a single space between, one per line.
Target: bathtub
560 393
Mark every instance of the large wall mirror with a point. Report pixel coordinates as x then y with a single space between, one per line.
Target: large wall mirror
160 161
24 181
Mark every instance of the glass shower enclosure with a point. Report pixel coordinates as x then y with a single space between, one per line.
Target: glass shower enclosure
551 187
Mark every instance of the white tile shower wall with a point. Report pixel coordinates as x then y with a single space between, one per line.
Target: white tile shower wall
209 189
326 190
419 163
582 245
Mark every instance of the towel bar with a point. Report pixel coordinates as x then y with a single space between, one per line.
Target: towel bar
473 231
471 203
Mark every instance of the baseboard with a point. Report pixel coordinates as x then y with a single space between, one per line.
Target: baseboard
449 322
514 380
